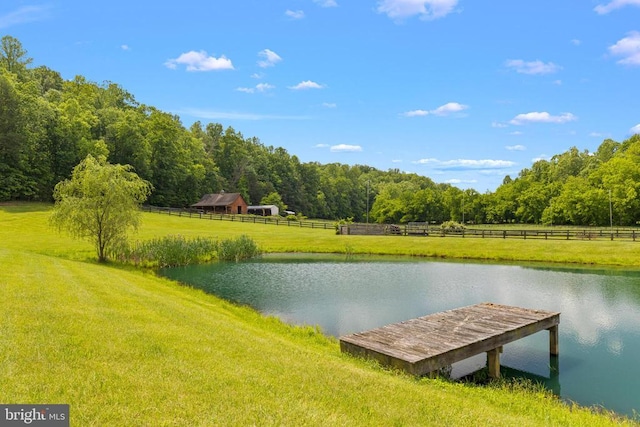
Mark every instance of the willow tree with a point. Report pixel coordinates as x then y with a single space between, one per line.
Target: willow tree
100 203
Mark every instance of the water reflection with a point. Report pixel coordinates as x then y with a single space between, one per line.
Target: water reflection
599 322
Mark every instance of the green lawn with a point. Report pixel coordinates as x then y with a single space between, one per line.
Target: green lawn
124 347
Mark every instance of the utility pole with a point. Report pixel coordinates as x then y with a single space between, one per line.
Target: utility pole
610 214
367 201
463 207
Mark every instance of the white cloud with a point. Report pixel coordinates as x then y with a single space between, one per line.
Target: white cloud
576 42
515 133
448 108
416 113
396 161
628 48
443 110
464 164
257 75
260 87
498 125
345 148
596 135
635 130
542 117
329 104
427 9
540 157
263 87
532 67
269 58
125 47
326 3
307 84
557 82
199 61
426 161
321 146
24 15
461 181
515 147
477 164
295 14
233 115
603 9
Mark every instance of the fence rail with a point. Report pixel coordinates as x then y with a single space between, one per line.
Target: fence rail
415 229
421 229
254 219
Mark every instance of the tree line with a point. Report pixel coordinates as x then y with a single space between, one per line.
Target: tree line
48 125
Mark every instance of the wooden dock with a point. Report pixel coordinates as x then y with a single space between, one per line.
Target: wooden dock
426 344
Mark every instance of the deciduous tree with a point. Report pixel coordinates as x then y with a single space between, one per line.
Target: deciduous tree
100 203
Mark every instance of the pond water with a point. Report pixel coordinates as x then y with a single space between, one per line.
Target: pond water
599 321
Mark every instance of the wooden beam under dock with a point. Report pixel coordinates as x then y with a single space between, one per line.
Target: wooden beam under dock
424 345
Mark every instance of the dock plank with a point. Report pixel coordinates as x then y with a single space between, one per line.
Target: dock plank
428 343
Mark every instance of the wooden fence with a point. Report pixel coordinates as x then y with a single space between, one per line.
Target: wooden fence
254 219
421 229
416 228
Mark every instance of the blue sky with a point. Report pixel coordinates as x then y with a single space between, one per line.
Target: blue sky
463 92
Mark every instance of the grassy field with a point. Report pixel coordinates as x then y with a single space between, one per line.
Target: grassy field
124 347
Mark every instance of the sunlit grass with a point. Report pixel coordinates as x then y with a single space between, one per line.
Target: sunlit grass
128 348
124 347
273 238
36 236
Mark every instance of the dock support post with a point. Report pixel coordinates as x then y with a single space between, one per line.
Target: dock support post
553 341
493 360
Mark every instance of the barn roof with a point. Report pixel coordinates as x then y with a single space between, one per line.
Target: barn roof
217 199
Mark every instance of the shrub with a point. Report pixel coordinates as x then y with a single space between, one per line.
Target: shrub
452 226
238 249
340 222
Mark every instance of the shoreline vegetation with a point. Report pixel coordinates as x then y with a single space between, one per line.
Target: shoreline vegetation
125 347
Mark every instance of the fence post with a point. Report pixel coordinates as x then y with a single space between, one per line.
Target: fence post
504 234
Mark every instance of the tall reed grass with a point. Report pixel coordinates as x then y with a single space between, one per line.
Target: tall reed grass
167 251
177 250
237 249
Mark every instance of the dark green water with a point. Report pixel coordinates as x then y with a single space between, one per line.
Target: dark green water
599 362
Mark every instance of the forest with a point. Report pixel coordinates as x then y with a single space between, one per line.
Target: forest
49 124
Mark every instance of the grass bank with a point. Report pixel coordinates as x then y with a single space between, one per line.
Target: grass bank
37 237
124 347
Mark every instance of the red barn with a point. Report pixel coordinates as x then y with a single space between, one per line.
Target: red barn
224 203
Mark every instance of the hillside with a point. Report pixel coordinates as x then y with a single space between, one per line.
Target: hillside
124 347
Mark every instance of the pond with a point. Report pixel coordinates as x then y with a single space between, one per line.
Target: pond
599 321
